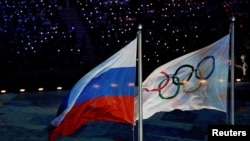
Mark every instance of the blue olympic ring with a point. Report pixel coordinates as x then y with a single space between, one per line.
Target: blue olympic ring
208 57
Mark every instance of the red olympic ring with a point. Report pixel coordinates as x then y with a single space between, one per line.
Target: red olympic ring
160 88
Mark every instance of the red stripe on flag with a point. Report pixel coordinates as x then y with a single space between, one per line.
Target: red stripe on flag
108 108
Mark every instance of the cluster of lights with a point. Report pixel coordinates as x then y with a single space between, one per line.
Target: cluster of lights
32 25
115 21
165 24
22 90
41 89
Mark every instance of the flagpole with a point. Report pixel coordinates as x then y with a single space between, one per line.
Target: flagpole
232 71
140 127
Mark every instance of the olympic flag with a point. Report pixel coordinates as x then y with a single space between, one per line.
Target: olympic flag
197 80
105 93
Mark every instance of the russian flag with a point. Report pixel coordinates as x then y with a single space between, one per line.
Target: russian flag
105 93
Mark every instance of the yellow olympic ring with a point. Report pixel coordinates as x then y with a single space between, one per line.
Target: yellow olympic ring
198 87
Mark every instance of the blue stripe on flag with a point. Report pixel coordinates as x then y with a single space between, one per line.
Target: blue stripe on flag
107 84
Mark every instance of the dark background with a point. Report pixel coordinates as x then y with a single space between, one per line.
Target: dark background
41 47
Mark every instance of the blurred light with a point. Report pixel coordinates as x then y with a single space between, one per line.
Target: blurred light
3 91
22 90
96 86
40 89
114 85
59 88
203 81
131 84
238 80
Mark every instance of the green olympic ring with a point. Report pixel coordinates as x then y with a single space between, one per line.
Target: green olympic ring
170 97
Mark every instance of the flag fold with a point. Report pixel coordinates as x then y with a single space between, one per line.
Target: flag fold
105 93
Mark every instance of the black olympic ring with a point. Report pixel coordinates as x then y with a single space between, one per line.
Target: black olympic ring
176 72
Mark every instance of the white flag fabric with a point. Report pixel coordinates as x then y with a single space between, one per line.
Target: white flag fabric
197 80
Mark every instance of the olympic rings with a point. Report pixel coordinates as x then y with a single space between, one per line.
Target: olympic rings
176 80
